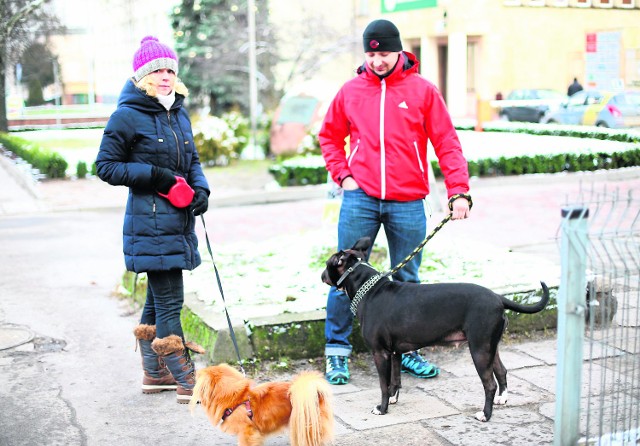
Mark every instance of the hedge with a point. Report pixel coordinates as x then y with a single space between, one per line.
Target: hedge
310 169
51 164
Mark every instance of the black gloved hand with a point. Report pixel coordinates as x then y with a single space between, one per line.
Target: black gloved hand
162 179
200 202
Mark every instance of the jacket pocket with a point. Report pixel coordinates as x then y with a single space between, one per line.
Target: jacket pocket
415 146
353 154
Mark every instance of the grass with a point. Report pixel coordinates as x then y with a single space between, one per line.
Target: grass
77 140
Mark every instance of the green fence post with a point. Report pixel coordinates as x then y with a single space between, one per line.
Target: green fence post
571 314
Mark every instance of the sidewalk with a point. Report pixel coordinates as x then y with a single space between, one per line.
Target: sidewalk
512 217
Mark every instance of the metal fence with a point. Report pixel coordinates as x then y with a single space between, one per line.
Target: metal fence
598 380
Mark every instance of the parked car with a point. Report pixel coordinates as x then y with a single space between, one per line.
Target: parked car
530 105
600 108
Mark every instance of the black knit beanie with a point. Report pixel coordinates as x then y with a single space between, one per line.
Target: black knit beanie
381 35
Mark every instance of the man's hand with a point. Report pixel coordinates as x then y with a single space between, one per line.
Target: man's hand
460 209
349 184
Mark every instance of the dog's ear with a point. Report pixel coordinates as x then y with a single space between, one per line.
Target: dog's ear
362 245
219 388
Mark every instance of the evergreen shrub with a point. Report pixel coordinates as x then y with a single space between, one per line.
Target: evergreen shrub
51 164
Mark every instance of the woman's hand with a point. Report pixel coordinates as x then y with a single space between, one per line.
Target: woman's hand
200 202
162 179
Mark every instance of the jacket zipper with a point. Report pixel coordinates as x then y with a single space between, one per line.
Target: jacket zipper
176 138
383 182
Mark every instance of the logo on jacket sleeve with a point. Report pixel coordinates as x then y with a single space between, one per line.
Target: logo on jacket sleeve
404 105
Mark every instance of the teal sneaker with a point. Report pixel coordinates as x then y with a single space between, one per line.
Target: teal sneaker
337 372
416 365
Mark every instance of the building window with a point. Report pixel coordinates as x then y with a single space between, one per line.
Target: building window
472 61
583 3
627 3
561 3
605 3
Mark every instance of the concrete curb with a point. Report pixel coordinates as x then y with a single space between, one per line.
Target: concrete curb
20 176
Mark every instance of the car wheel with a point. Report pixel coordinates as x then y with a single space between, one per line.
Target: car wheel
602 124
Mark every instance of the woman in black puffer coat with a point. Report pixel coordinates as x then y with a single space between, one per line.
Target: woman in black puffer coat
147 144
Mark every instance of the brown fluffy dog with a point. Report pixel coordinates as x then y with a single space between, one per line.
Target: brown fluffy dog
252 412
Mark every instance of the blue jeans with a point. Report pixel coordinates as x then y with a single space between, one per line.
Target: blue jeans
165 296
405 225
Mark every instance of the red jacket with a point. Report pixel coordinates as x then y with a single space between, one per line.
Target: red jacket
389 123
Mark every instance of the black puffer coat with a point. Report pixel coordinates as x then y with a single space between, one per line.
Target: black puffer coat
140 134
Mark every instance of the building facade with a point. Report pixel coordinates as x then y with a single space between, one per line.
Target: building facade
471 49
476 49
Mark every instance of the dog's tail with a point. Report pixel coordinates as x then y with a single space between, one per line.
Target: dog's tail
311 422
528 309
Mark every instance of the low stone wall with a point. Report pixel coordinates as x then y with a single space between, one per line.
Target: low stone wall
301 335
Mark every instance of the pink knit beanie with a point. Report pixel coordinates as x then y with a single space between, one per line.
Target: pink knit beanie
151 56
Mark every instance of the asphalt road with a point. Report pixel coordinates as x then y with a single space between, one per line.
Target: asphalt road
78 381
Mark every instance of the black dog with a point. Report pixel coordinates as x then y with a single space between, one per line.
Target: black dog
397 317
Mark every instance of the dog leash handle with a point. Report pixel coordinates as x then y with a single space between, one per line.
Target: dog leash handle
226 311
430 236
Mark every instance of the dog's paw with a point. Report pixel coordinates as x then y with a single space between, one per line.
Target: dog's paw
394 398
376 411
501 399
480 416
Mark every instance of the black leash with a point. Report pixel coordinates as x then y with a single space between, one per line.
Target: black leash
430 236
226 312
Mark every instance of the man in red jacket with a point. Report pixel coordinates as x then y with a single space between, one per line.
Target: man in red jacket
389 112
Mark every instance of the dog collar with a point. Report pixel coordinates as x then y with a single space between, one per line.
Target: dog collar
246 404
363 290
347 272
352 269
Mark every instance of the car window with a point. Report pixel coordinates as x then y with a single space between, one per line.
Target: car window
550 94
515 94
594 98
632 98
578 98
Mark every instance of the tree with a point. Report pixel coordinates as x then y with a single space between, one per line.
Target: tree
212 42
306 51
37 71
21 21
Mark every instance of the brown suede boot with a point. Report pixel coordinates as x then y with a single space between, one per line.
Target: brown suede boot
157 377
175 355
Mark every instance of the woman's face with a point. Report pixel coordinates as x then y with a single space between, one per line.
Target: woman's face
164 80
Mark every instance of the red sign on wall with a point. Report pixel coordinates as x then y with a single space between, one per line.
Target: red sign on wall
592 43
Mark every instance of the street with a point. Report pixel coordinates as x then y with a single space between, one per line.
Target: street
77 382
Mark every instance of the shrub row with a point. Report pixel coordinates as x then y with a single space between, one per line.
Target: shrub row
550 163
300 171
51 164
620 135
311 169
